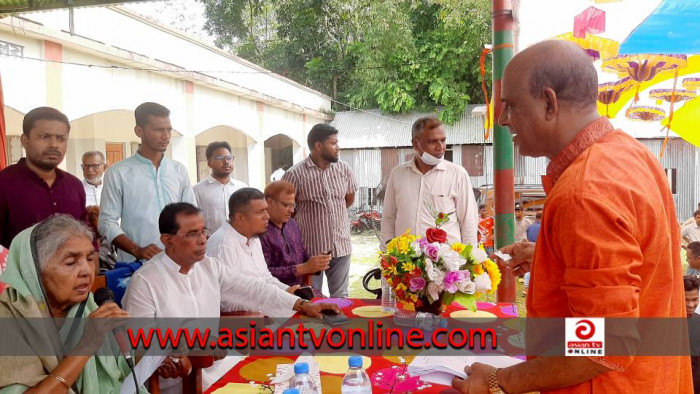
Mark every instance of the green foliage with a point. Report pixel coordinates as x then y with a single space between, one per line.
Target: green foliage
395 55
468 301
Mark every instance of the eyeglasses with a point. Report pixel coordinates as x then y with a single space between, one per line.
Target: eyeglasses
286 205
91 166
193 235
223 158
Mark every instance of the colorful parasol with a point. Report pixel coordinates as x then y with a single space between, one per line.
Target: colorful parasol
597 47
610 92
645 67
671 95
590 21
645 113
691 83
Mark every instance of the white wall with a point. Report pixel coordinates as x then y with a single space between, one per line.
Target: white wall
135 34
100 101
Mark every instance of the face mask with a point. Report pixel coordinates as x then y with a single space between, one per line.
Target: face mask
429 159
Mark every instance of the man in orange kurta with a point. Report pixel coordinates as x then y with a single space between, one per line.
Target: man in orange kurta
609 243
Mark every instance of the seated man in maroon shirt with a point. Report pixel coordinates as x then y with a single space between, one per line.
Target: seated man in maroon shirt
282 245
34 188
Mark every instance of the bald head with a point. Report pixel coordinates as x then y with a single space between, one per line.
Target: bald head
561 66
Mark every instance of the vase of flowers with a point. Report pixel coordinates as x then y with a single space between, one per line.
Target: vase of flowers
426 272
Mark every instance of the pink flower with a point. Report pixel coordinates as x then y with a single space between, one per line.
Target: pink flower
416 284
432 251
451 280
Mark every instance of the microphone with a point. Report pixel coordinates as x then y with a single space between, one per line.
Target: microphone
104 295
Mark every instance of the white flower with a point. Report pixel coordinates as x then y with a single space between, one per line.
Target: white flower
434 273
452 260
483 282
416 248
434 290
465 285
479 255
444 248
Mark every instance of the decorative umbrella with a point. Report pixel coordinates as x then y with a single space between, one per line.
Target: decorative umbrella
597 47
672 95
610 92
592 21
645 113
691 83
645 67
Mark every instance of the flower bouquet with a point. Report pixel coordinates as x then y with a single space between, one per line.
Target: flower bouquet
427 272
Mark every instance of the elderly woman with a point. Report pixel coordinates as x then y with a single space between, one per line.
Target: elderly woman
50 270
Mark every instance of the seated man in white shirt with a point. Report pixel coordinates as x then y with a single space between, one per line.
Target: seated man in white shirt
237 245
182 282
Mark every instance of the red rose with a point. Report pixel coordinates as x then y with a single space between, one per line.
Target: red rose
436 235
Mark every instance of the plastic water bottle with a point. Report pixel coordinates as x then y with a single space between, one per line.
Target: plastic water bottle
388 297
291 391
356 380
302 381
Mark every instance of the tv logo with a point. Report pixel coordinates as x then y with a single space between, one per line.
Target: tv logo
585 336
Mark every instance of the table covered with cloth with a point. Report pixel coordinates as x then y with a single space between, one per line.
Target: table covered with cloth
388 373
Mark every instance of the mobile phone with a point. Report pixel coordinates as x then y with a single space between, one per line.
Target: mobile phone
328 253
305 292
332 318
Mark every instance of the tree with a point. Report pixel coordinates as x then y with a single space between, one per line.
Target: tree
397 55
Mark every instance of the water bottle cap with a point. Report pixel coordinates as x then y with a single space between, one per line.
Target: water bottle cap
355 361
291 391
301 368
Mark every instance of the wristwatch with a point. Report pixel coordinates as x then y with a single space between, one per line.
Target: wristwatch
494 388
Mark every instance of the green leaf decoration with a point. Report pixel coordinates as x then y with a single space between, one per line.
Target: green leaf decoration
468 301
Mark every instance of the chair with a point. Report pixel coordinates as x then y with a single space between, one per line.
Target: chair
375 274
100 281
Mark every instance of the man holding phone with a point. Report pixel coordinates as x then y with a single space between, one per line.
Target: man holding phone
325 188
237 245
282 244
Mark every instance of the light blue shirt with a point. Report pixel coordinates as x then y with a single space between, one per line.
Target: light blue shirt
135 192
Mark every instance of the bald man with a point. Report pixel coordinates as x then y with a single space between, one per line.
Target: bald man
609 244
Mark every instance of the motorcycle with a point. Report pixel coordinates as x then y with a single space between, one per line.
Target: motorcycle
366 220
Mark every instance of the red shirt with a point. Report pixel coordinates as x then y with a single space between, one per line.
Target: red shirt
609 246
26 199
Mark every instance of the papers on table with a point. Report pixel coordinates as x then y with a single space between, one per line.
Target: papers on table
143 370
441 369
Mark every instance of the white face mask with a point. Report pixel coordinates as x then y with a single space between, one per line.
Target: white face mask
429 159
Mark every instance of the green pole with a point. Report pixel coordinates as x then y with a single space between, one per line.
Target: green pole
504 190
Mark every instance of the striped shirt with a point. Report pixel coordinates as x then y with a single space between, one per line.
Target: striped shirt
321 211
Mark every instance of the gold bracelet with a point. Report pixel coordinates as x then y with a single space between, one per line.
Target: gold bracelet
60 379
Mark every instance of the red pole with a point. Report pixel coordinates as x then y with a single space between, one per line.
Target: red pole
504 189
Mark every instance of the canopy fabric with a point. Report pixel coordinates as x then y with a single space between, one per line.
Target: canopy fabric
672 28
